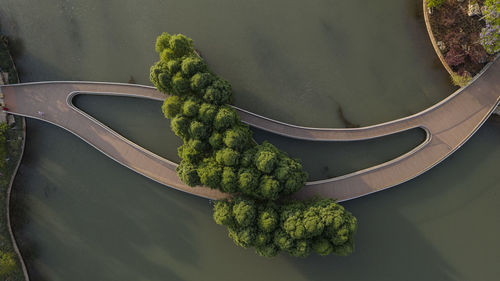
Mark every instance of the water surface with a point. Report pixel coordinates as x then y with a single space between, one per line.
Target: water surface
81 216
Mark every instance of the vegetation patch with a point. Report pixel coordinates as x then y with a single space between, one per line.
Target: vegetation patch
219 152
467 33
10 150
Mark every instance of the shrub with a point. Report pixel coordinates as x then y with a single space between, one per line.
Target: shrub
7 264
460 80
435 3
490 34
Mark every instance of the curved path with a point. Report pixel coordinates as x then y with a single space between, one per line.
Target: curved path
448 124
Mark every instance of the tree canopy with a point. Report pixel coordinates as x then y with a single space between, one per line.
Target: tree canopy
219 152
296 227
198 106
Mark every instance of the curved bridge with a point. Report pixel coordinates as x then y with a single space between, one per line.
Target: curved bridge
448 125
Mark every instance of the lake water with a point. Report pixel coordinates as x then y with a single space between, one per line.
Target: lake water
81 216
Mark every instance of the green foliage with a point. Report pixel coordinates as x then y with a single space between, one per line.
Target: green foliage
188 174
220 153
193 65
265 159
199 130
227 157
435 3
162 42
172 106
207 113
180 85
190 107
296 227
7 264
490 34
229 182
210 173
244 212
198 109
223 213
459 80
237 137
226 117
219 92
200 81
180 126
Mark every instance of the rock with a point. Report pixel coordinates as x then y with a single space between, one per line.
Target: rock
441 46
4 78
474 9
10 120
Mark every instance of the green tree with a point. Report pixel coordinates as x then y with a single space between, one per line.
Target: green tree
199 130
244 212
268 219
200 82
219 92
229 182
226 117
180 85
188 174
180 126
223 213
172 106
207 113
248 180
190 107
210 173
227 157
237 137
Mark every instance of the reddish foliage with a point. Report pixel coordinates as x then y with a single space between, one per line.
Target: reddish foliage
478 54
455 38
455 56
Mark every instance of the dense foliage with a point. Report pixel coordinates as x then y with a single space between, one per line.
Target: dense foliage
435 3
218 151
296 227
490 34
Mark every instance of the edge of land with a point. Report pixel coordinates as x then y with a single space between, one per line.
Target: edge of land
19 272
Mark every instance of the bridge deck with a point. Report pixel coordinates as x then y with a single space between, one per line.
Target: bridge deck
448 124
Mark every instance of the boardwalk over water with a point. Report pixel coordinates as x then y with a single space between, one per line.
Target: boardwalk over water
448 124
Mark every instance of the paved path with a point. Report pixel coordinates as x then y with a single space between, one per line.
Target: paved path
448 124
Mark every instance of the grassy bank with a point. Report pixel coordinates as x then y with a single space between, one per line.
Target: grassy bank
10 151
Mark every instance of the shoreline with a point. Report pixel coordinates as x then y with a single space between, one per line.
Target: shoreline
14 174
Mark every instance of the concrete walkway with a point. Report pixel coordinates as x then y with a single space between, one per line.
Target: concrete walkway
448 124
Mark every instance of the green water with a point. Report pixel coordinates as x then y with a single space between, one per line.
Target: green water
81 216
139 120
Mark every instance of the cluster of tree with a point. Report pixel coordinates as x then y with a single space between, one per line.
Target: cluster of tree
296 227
218 150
